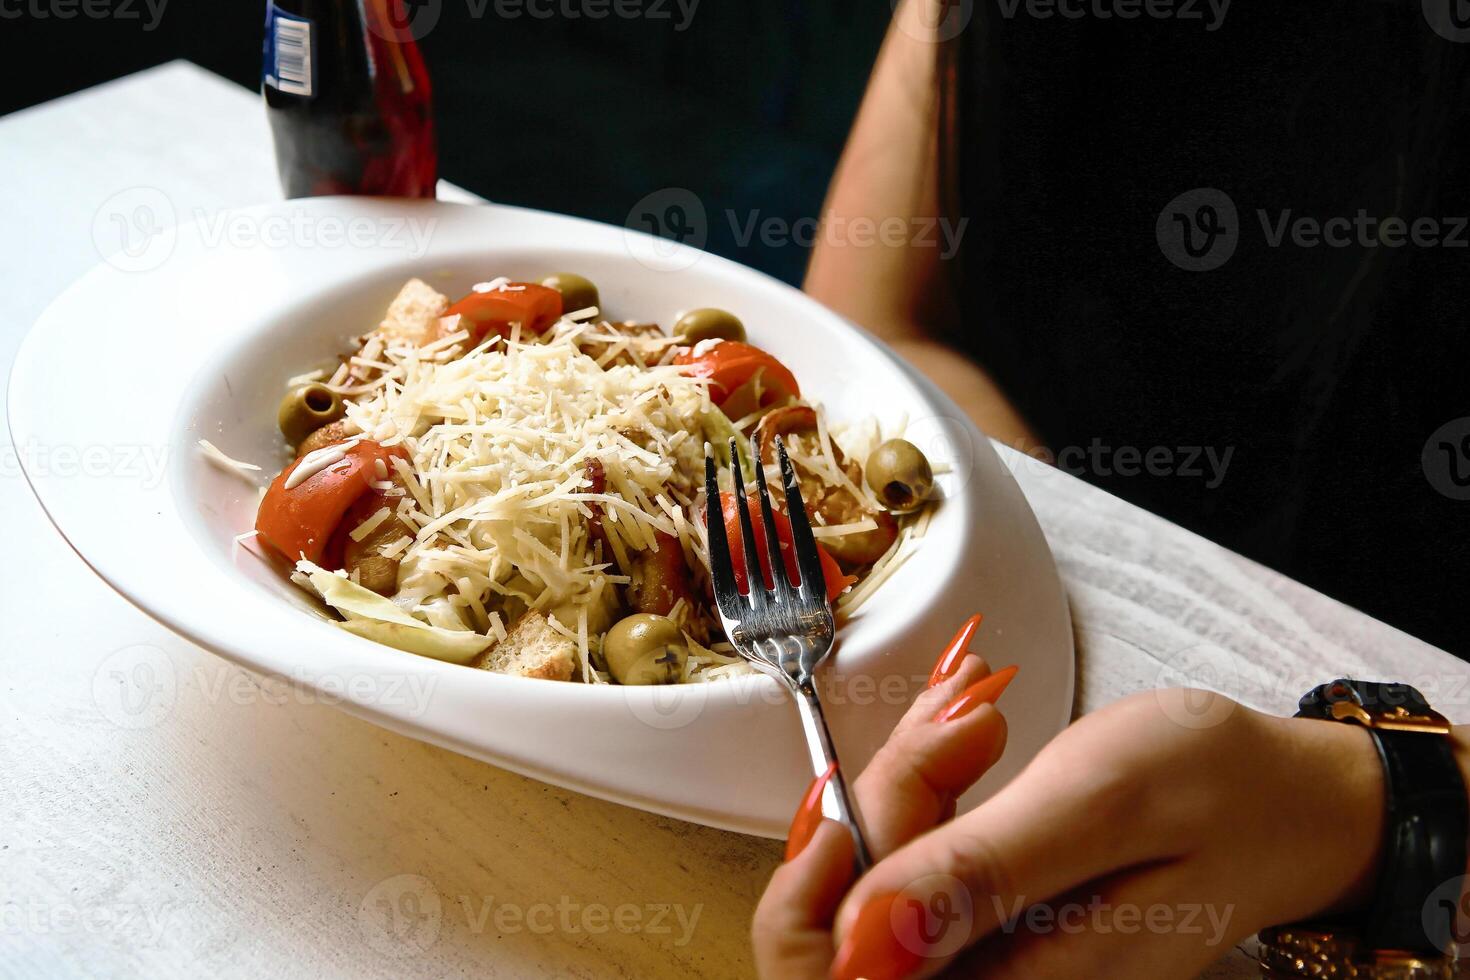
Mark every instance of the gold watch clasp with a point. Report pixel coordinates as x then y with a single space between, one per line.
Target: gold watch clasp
1395 719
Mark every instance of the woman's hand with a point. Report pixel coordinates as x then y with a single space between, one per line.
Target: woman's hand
908 788
1144 841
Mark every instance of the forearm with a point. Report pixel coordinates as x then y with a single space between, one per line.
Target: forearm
900 290
887 170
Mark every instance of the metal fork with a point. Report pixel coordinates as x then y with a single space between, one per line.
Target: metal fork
785 631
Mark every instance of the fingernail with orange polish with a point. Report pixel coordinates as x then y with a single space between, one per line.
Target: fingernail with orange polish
873 949
949 660
808 815
985 691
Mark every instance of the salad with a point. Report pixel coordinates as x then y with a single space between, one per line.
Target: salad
514 481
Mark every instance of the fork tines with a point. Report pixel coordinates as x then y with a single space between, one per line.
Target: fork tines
812 587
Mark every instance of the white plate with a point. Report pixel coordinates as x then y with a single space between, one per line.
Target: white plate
193 338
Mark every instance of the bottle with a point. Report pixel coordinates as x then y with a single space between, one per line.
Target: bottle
348 99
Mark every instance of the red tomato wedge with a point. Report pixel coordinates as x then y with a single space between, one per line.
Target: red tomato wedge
534 307
300 521
836 581
730 364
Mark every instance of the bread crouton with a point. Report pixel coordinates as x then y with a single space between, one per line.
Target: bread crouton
413 316
532 648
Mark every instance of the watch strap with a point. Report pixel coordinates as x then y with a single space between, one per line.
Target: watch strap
1427 818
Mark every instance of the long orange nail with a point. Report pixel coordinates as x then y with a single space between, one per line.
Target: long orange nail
985 691
808 815
873 949
949 660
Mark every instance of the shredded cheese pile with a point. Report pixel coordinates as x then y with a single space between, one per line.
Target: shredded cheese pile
498 492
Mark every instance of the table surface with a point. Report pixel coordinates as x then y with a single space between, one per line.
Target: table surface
237 830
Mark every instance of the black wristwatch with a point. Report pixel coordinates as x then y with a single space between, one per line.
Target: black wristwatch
1427 821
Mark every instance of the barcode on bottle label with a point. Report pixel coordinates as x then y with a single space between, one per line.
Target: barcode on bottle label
290 67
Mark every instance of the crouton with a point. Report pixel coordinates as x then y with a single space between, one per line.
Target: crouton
532 648
413 316
635 355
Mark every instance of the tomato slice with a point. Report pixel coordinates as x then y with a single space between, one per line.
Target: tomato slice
837 582
533 306
729 365
300 521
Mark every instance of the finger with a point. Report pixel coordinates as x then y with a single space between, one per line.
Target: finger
1148 922
912 782
791 931
1074 815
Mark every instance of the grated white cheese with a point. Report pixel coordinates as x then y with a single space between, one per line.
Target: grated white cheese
215 456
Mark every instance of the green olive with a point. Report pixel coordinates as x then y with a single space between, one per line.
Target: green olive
709 324
645 649
577 292
900 475
306 409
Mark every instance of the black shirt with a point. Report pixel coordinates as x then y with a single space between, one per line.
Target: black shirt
1327 374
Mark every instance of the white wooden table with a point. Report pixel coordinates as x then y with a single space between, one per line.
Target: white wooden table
222 828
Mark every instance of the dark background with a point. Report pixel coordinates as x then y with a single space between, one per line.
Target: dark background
747 106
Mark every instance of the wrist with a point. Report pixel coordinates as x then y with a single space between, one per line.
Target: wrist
1338 786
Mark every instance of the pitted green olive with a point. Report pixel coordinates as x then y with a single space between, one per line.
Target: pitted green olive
577 292
306 409
645 649
900 475
709 324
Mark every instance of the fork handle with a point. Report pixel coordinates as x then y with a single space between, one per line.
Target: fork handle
836 801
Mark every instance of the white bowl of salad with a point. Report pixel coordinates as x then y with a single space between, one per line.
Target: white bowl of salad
456 467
